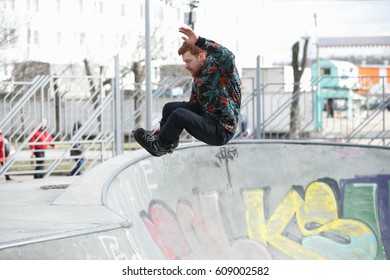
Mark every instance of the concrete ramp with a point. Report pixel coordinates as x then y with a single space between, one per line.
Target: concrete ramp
245 200
261 200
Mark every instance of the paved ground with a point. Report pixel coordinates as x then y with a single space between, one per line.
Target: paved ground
26 210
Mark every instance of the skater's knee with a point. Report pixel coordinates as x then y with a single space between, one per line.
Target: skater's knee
168 108
179 113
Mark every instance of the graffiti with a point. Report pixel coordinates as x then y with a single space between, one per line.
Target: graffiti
367 199
148 171
196 233
325 234
323 221
112 247
350 153
224 156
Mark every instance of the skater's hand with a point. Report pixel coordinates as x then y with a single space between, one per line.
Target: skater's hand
192 37
156 130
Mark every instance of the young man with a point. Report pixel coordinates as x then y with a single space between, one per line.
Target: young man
211 115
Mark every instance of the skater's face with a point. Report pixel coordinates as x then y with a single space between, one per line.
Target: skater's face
194 63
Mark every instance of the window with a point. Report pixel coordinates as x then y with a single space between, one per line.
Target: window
7 4
6 70
99 7
58 6
102 40
33 5
79 6
325 71
123 9
59 38
123 41
36 37
80 38
33 37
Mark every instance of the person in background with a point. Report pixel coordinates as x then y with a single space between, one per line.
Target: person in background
39 142
4 151
244 132
77 151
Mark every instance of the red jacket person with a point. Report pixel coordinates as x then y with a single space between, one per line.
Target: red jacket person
39 142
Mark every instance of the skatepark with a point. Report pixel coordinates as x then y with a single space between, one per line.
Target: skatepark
250 199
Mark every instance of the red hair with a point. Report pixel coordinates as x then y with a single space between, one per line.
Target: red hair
194 50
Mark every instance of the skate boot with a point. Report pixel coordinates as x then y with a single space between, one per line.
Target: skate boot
149 142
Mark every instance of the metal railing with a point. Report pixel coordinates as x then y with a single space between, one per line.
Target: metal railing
357 117
57 99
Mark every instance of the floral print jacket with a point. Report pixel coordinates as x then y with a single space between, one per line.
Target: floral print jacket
218 86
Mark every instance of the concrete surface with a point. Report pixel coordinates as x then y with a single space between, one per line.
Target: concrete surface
245 200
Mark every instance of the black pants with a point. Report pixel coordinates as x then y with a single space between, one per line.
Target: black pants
7 177
177 116
77 169
39 162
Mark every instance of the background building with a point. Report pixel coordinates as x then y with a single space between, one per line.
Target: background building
64 33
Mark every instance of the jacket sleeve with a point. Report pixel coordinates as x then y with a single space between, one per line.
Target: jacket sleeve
32 140
224 56
49 138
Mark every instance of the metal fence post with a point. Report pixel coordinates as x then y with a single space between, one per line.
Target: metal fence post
148 62
259 124
118 110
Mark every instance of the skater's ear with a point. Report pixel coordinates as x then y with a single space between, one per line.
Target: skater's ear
202 55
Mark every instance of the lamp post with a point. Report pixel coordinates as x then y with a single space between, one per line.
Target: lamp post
317 46
318 99
148 60
191 15
148 63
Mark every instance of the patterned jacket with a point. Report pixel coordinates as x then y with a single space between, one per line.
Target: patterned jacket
218 86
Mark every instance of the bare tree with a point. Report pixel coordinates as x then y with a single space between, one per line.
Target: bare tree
138 67
298 72
95 90
8 37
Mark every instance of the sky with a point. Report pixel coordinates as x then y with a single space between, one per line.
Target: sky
269 28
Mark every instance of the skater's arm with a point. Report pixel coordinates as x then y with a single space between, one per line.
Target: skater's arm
191 36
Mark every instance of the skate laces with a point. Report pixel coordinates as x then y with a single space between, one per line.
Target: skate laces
149 136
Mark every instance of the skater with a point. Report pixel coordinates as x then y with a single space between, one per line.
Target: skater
211 115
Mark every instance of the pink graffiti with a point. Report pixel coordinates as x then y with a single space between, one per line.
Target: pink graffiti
197 231
163 226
